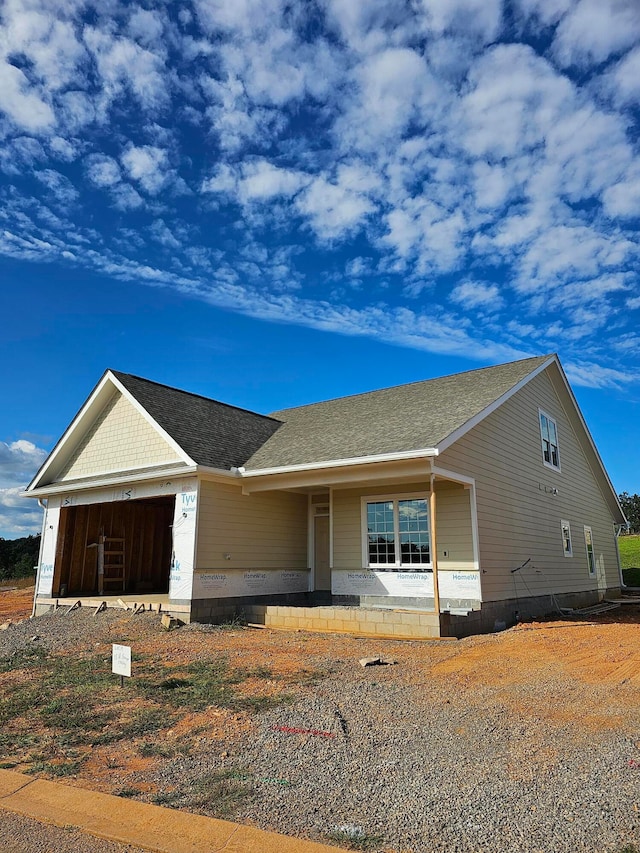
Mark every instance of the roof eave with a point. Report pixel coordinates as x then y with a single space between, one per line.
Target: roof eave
339 463
458 433
106 481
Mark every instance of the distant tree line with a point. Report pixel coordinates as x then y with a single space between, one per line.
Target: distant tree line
18 556
631 507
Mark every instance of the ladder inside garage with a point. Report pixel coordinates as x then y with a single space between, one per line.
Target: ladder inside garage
111 564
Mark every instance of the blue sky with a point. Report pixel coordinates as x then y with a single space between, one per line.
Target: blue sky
272 203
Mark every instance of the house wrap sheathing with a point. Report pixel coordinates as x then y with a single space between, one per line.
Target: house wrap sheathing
436 508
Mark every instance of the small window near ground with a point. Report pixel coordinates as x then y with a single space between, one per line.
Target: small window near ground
397 533
566 539
591 557
549 437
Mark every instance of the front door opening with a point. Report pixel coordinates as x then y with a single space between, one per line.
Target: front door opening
132 539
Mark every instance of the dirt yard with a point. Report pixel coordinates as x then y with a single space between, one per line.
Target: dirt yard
526 740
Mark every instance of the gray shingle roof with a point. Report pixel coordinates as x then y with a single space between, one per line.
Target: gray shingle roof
403 418
213 434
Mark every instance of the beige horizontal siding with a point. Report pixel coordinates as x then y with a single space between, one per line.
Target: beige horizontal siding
453 528
453 522
267 530
518 515
120 439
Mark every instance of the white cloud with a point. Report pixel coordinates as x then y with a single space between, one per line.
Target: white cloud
18 516
623 80
125 197
223 181
59 185
263 181
148 165
477 294
123 64
515 98
146 26
479 18
332 210
593 30
392 89
63 149
19 461
24 105
622 199
102 170
163 235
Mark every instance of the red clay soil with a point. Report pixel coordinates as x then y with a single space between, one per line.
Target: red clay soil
604 651
15 604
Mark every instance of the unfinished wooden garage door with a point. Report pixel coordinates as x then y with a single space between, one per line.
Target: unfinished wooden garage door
145 527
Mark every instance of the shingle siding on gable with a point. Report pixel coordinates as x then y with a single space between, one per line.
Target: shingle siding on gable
517 518
119 440
213 434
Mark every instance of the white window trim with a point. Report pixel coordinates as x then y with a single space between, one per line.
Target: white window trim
564 523
591 562
397 566
546 464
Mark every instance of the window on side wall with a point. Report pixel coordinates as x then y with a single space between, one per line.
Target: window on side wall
566 539
591 557
549 438
396 533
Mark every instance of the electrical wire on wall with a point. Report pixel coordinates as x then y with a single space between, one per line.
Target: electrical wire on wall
517 573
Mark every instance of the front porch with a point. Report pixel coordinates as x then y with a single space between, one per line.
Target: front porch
383 623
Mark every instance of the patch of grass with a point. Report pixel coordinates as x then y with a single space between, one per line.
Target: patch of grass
143 722
354 838
127 793
220 793
155 750
630 556
65 767
27 658
208 682
65 701
238 620
165 798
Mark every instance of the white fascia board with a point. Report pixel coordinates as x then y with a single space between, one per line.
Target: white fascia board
96 400
457 434
145 414
341 463
107 481
453 475
583 423
207 473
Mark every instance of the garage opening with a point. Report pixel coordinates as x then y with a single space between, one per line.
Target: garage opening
114 548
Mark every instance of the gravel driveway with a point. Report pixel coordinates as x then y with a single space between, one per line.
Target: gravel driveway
525 741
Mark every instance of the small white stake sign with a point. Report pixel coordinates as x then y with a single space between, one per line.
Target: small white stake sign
121 661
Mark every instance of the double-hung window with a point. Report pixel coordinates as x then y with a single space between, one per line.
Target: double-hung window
566 539
591 557
397 533
549 438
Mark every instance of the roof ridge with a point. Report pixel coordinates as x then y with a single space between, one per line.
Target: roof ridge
119 373
539 358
